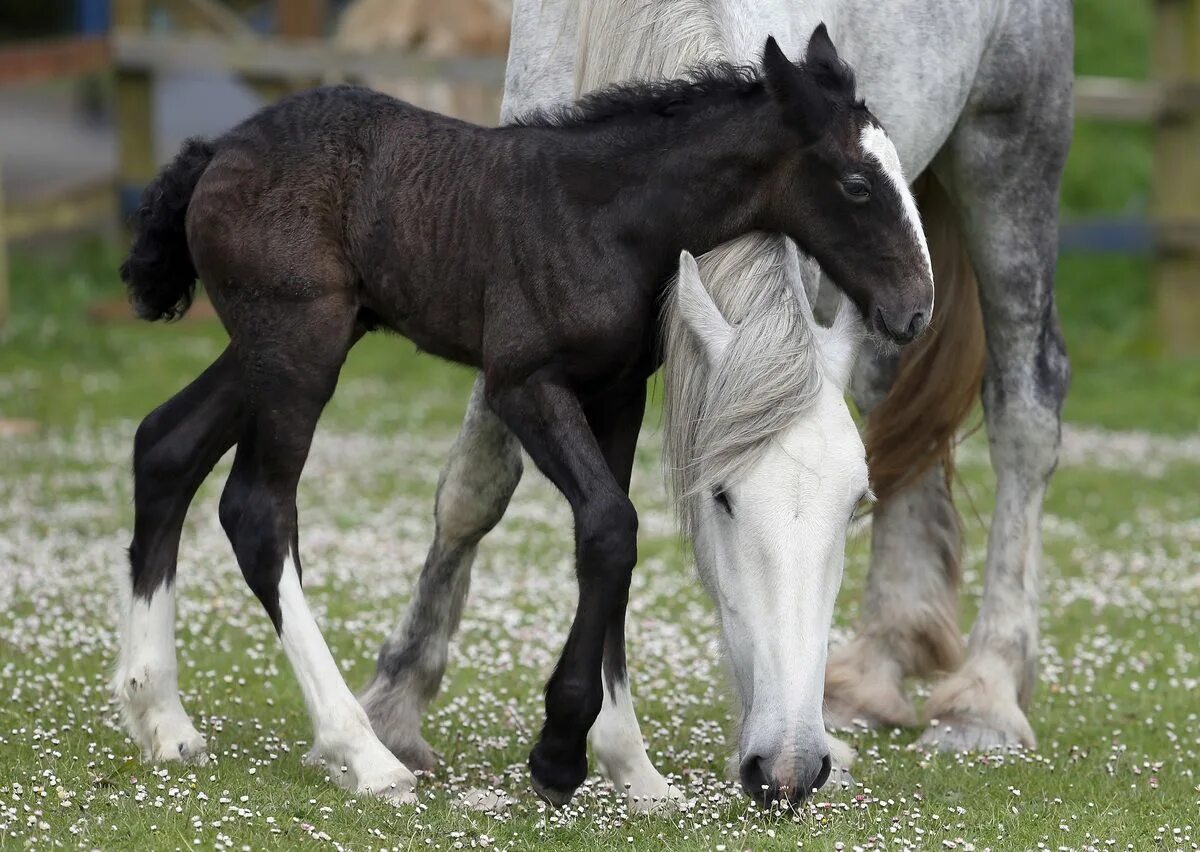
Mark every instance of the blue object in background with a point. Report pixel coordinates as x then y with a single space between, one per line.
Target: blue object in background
1123 235
92 16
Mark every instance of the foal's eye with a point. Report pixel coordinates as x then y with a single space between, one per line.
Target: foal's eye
856 188
723 500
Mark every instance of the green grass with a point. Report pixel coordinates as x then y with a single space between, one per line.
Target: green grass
1115 708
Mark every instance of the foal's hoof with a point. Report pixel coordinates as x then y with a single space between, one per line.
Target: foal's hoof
556 798
183 743
555 783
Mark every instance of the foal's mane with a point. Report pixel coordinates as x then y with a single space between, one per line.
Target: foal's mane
701 85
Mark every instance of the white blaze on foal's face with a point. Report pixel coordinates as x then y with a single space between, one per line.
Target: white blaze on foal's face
876 144
769 544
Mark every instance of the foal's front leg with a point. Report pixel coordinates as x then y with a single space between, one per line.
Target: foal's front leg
549 420
616 737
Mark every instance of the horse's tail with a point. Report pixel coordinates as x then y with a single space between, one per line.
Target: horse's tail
159 272
939 376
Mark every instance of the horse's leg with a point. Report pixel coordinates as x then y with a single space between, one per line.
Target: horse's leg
480 476
548 419
616 736
175 448
485 463
909 620
1003 168
290 378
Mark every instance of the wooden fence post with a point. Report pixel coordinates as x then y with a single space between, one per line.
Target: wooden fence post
136 161
4 296
302 18
1176 182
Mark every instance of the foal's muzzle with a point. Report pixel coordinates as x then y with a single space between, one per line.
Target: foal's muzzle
900 326
766 786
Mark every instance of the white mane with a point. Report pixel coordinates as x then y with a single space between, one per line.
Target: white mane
717 419
719 416
621 40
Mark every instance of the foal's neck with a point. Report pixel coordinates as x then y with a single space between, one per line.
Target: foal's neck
693 180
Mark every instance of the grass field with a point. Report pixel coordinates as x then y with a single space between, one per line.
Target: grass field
1117 709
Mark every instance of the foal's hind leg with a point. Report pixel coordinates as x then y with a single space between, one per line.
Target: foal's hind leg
175 448
1003 168
291 376
480 476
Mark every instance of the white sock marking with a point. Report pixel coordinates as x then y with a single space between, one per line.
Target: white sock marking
616 740
341 732
147 682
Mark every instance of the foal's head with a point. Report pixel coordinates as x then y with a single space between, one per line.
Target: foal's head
767 467
842 195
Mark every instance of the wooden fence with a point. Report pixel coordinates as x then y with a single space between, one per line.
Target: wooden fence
218 41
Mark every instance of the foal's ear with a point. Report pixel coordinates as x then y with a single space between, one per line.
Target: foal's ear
797 91
826 67
700 313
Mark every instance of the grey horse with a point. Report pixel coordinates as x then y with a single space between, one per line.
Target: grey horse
976 95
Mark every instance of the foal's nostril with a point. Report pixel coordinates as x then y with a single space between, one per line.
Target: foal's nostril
898 330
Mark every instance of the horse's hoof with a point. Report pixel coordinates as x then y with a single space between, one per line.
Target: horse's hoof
863 691
185 744
963 734
659 798
415 753
551 796
975 709
554 782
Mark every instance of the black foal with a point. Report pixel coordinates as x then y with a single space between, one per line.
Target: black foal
537 253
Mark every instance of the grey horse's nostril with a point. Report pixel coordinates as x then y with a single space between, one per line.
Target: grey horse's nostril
753 775
822 775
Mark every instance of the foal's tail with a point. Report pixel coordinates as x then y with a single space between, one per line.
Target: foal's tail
914 427
159 272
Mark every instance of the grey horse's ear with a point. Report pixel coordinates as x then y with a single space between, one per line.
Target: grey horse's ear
841 342
699 312
795 279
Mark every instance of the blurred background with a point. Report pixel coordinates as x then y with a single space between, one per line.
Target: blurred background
96 94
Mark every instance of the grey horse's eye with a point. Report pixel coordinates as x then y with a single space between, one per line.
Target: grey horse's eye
856 188
723 500
862 506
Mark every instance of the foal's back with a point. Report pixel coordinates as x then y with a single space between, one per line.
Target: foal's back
335 194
